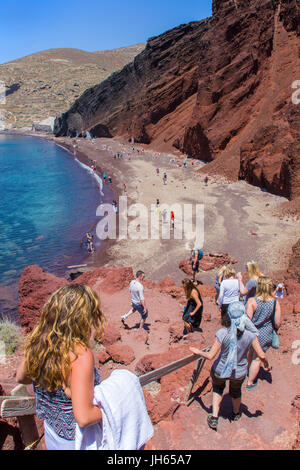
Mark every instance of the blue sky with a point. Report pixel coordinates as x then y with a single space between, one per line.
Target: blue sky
28 26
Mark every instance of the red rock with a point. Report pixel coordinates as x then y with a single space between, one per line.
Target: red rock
207 291
102 357
176 332
35 288
160 407
107 279
121 353
167 282
112 334
208 262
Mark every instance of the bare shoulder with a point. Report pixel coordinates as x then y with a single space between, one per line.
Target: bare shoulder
81 355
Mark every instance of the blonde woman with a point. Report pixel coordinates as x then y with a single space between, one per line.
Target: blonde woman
254 274
60 364
229 290
261 309
219 279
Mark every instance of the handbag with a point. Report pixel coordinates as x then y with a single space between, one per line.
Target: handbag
275 337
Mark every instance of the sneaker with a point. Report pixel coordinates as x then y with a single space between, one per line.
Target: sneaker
235 417
212 422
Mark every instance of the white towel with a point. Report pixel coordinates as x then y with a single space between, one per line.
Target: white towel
125 421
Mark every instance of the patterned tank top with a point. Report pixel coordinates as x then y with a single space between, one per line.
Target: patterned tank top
56 408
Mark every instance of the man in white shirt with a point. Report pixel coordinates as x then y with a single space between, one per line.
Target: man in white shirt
137 299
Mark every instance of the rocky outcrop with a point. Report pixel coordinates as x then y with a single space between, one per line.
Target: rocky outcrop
294 266
208 262
35 288
179 426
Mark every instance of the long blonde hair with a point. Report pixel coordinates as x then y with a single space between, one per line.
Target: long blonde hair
264 288
229 272
253 270
66 322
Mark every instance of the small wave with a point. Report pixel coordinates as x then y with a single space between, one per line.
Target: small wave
92 172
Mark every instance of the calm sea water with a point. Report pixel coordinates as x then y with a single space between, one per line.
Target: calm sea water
48 201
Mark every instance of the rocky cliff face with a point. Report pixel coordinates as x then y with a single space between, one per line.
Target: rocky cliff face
218 89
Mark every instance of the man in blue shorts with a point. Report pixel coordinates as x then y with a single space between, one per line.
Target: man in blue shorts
137 299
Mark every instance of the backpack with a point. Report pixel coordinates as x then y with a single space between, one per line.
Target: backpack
200 254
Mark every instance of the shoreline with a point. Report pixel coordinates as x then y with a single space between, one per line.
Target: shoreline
99 257
240 219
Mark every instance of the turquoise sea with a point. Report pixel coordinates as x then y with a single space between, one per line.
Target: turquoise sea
48 201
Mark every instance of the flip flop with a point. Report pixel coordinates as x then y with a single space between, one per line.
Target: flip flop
250 387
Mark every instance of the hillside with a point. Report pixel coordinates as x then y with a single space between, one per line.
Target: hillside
47 83
218 89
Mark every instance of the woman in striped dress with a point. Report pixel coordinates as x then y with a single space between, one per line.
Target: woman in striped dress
60 363
260 310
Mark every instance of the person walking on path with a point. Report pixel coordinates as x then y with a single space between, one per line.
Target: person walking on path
137 299
165 177
229 290
219 279
232 345
60 363
265 313
193 311
196 257
250 289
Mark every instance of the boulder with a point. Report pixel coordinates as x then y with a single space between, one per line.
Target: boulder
107 279
111 334
121 353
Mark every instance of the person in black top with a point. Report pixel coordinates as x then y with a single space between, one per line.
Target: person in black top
192 315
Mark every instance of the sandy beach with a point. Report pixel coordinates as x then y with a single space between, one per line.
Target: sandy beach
240 219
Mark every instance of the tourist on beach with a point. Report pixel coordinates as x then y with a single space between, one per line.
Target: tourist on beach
90 243
196 256
193 311
60 364
219 279
232 345
172 220
265 313
115 206
250 289
137 299
229 290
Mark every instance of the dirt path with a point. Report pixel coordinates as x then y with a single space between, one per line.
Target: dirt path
239 219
